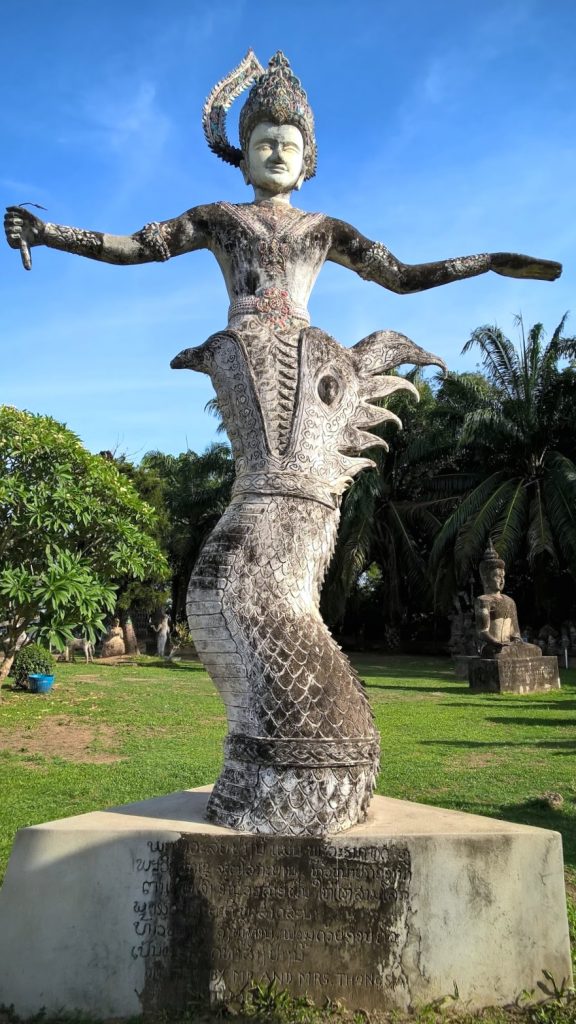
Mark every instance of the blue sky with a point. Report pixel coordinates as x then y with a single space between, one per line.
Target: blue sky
444 128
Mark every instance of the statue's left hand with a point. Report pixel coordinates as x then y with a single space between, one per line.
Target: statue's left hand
511 264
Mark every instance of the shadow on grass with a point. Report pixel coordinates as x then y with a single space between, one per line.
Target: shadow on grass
173 666
509 703
429 690
551 723
22 691
402 666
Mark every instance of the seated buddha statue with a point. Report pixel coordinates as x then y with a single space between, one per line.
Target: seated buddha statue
497 628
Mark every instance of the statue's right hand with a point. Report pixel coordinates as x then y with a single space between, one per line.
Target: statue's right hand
23 230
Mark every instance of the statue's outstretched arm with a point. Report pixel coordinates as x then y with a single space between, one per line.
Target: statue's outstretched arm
154 242
374 262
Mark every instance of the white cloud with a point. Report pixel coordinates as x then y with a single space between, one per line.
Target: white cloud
125 116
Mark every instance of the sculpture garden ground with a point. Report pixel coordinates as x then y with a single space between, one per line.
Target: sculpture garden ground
107 735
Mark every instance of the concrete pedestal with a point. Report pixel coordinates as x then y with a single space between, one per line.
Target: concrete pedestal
147 907
517 675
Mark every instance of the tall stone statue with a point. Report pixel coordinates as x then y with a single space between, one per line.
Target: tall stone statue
506 662
302 751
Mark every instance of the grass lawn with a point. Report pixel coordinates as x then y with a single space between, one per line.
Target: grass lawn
107 735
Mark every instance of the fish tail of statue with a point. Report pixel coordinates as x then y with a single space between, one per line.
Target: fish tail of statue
302 752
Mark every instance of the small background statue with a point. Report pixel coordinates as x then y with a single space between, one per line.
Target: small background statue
463 642
113 643
497 627
162 630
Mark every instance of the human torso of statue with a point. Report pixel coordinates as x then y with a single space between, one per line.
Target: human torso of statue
501 610
498 630
270 255
269 251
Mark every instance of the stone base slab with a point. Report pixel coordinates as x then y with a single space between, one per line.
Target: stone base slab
530 675
147 907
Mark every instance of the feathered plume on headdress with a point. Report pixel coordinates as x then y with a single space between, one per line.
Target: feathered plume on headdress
276 95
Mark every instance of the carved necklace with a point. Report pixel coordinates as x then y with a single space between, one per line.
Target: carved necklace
272 225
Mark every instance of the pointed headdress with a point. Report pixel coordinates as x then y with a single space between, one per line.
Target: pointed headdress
490 558
276 95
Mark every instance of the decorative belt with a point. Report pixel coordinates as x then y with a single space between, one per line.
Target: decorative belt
274 303
302 753
289 484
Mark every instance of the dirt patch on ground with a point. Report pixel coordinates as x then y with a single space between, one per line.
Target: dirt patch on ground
394 697
66 738
484 759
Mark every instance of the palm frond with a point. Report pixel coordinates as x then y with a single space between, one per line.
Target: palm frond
563 346
539 535
213 408
488 426
499 357
453 484
471 539
469 508
418 515
559 489
355 539
509 530
413 564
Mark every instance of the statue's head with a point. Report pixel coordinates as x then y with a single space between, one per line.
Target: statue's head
273 159
276 111
492 570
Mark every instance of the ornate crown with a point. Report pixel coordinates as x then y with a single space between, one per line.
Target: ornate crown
276 96
491 558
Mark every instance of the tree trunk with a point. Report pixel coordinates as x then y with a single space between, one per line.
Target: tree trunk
12 644
130 641
5 667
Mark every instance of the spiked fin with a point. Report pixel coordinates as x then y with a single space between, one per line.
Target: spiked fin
385 350
380 386
355 440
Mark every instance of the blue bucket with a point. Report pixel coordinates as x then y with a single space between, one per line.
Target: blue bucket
38 683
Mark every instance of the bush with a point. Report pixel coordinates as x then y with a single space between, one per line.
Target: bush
32 658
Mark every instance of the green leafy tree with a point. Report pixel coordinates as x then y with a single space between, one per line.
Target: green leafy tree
148 594
518 437
72 529
196 491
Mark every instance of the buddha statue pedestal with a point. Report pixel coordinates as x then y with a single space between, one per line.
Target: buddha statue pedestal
516 674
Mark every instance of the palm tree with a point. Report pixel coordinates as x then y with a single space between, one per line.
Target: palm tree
521 442
389 519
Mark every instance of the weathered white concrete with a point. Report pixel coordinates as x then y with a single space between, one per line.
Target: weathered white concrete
481 907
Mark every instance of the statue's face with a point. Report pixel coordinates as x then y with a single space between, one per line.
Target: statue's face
275 159
493 579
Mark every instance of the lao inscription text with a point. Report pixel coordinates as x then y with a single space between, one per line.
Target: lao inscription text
316 916
151 908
